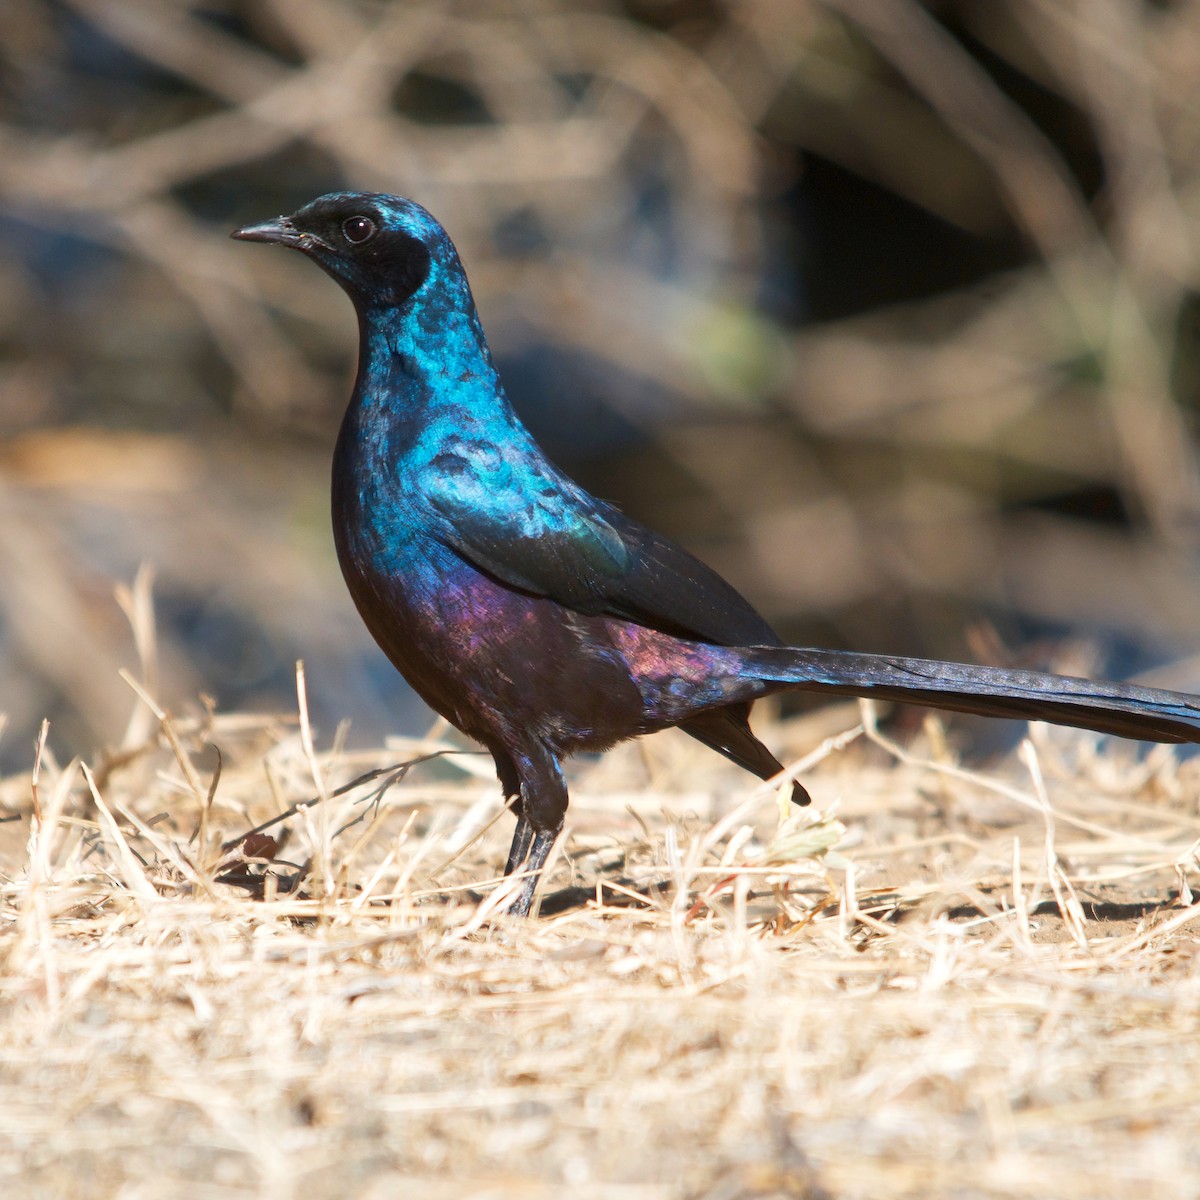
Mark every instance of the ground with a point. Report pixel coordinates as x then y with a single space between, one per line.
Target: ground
939 982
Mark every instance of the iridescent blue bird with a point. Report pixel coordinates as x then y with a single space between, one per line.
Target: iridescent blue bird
536 618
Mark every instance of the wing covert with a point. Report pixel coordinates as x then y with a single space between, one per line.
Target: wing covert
524 523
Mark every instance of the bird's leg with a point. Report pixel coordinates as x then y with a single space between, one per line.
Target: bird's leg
540 806
519 850
543 843
510 781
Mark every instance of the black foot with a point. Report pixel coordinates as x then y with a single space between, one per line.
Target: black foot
543 843
519 850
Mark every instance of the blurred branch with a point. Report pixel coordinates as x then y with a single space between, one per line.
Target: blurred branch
1113 322
627 185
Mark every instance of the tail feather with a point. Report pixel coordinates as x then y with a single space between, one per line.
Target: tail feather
1145 714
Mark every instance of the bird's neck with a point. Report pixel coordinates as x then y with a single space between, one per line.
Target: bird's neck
419 360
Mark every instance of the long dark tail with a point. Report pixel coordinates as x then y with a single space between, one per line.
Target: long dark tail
1146 714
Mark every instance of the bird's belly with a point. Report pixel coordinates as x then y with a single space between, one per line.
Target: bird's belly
497 663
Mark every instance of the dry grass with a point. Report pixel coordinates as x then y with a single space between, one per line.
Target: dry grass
989 991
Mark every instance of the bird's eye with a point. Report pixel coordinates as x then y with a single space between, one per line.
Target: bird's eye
357 230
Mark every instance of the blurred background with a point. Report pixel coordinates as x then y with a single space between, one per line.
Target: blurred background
888 310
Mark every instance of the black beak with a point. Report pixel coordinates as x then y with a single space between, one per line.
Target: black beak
280 230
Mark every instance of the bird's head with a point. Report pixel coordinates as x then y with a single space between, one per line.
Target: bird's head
381 249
